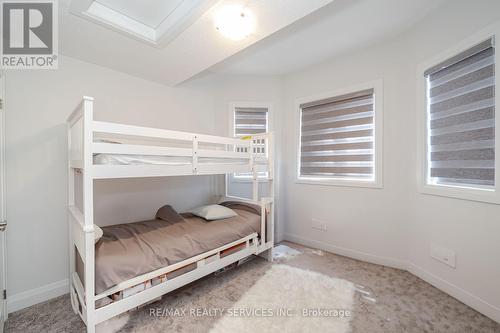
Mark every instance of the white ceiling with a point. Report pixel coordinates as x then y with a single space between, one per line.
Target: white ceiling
147 12
193 50
340 27
291 35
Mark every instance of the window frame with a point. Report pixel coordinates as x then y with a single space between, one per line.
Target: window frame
232 110
377 182
445 190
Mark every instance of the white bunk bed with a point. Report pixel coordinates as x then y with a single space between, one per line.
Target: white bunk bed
151 152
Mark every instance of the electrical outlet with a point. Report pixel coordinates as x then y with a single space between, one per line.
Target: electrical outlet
443 255
319 225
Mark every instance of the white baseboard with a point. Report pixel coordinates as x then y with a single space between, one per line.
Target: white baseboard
33 296
460 294
374 259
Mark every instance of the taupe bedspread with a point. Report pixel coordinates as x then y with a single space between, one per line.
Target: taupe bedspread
129 250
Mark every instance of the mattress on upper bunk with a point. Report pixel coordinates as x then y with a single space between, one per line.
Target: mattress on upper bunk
129 250
135 159
124 159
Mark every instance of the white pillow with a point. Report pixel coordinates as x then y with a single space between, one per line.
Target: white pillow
97 233
213 212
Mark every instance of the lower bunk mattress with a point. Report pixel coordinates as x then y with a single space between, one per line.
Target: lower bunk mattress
129 250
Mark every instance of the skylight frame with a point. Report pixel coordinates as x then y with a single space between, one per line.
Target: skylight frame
171 26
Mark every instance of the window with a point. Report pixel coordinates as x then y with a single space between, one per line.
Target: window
249 120
459 157
340 138
460 120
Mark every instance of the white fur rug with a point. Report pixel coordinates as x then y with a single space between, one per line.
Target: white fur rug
285 253
276 303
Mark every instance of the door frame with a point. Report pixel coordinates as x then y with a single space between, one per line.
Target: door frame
3 209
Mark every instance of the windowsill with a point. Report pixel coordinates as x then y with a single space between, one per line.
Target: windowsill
463 193
340 183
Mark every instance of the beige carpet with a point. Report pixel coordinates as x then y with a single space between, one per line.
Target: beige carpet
382 300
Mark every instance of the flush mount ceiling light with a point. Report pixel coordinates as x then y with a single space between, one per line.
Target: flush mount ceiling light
234 22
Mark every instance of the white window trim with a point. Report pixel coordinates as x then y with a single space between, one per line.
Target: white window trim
466 193
377 86
270 122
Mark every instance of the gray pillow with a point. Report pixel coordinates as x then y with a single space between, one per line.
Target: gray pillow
213 212
167 213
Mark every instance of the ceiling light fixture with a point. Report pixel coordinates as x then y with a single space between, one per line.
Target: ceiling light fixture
234 22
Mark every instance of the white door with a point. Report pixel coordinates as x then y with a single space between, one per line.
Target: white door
3 218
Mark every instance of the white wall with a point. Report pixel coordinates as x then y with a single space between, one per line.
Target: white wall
396 225
472 229
367 222
38 103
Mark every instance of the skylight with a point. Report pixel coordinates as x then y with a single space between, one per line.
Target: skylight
152 21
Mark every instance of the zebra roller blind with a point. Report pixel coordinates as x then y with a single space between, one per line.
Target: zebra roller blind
337 137
248 121
461 119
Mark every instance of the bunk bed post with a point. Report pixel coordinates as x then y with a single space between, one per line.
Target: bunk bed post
195 154
71 202
255 175
88 212
267 203
271 184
